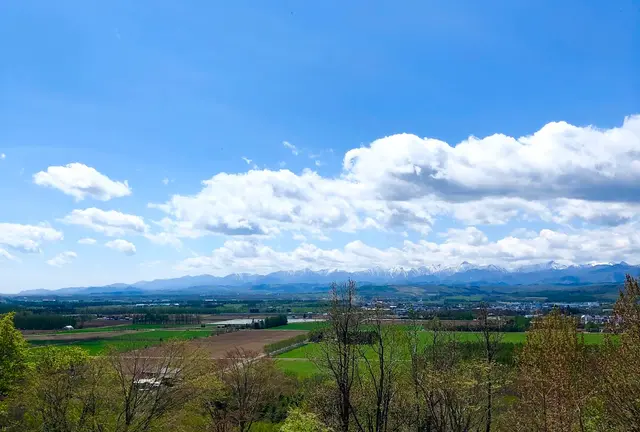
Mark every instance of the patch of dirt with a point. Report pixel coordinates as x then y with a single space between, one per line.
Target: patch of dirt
217 346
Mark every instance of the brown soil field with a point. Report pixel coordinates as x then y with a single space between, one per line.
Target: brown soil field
77 336
217 346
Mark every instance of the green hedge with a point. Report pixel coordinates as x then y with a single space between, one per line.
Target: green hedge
285 343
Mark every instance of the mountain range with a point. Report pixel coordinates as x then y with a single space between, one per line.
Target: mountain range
549 273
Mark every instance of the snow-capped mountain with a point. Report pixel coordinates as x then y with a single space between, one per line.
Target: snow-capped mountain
550 272
549 265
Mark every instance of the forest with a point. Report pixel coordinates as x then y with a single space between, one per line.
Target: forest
371 376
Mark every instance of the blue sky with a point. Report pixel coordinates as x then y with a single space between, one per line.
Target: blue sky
167 95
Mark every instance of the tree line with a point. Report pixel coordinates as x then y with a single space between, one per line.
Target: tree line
413 378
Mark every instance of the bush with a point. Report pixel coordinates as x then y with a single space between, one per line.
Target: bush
275 321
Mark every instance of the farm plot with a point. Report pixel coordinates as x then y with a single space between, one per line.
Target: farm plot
217 346
99 343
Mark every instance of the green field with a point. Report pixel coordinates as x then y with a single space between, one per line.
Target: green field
312 350
298 361
308 326
300 367
142 339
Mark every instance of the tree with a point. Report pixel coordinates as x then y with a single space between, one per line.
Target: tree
300 421
447 390
246 381
339 354
620 369
553 377
64 392
380 367
490 337
147 388
13 355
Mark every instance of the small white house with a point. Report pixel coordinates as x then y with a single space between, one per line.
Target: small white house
67 327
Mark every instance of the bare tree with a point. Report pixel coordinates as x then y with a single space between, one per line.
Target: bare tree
149 387
446 388
490 336
380 369
247 382
339 351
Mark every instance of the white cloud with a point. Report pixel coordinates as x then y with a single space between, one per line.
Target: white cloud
121 245
3 156
165 181
6 255
318 163
558 161
111 222
291 147
164 238
87 241
299 237
62 259
27 238
405 183
470 235
263 203
81 181
609 245
247 160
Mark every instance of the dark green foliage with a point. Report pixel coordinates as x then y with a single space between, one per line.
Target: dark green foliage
275 321
32 321
166 319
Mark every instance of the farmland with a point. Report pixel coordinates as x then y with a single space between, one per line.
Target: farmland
126 339
299 361
99 343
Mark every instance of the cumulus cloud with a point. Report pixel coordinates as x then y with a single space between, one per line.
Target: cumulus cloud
121 245
81 181
27 238
62 259
558 161
561 174
471 244
111 222
87 241
291 147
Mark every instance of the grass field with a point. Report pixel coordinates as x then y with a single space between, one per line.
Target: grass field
142 339
311 350
305 326
300 367
297 361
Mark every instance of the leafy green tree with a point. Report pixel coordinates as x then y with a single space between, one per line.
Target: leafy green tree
13 355
65 392
300 421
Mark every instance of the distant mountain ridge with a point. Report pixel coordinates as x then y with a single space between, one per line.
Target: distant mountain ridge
465 273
